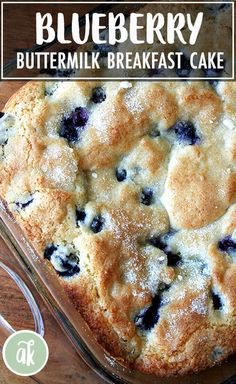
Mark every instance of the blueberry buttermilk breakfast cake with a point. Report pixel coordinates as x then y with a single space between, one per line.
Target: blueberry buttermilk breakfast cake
128 191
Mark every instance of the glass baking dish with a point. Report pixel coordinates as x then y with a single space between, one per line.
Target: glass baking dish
75 327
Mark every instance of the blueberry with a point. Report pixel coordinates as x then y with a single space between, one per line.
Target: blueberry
227 244
146 196
69 132
185 67
121 174
25 204
69 266
98 95
65 264
173 259
49 250
186 132
158 243
148 317
97 224
217 303
71 270
1 114
79 117
73 125
80 215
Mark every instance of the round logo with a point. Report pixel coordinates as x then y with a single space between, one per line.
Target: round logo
25 353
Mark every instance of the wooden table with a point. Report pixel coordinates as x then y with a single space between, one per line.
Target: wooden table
64 365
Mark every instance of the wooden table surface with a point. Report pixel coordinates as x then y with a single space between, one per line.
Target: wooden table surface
64 365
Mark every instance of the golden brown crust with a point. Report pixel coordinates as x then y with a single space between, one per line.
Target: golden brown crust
195 194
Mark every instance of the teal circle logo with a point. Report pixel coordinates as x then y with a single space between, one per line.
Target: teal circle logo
25 353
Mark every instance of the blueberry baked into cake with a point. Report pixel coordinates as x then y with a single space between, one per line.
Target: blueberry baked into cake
128 190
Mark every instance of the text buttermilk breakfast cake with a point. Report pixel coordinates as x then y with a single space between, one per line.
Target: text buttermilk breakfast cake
128 189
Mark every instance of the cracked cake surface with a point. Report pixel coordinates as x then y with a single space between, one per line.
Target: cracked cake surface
128 193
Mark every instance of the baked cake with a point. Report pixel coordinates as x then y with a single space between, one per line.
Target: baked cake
128 191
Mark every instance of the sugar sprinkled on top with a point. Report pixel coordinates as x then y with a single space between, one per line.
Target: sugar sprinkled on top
59 165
